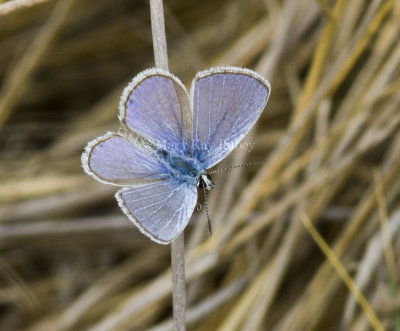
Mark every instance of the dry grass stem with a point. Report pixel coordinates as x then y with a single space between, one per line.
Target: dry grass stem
178 245
15 5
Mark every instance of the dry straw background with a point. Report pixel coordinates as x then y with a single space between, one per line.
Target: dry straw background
71 261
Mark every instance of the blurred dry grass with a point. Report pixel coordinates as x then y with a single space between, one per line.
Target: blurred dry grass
71 261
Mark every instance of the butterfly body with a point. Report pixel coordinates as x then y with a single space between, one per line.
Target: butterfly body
184 168
170 139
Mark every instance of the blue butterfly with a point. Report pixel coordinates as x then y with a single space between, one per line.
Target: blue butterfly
168 140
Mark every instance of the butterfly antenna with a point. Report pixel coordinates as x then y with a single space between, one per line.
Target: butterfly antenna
237 166
208 216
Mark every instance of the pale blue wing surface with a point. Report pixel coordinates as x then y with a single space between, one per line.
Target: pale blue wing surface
156 106
118 160
160 210
227 101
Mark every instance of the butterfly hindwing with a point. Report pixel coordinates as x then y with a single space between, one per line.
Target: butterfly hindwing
114 159
161 210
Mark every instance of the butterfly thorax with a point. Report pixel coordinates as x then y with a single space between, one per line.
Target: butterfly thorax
182 167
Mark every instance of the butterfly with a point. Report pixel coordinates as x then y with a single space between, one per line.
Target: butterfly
169 139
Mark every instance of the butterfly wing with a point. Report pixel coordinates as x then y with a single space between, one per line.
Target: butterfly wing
227 101
161 210
118 160
156 106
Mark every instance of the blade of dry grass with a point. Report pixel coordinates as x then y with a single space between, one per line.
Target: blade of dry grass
15 5
13 86
334 261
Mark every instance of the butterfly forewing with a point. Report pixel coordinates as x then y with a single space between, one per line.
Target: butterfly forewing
160 210
226 103
156 106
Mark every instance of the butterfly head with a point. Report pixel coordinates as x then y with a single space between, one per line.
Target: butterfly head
204 182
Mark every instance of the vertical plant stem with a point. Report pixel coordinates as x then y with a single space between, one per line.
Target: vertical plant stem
177 246
178 283
158 33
